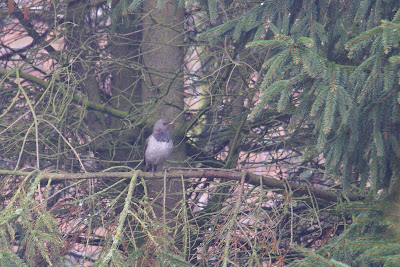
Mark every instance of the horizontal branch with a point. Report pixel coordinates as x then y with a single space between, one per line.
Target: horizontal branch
298 188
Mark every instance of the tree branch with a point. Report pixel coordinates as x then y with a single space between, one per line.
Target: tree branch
77 99
299 189
29 27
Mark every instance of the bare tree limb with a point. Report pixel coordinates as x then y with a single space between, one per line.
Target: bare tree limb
28 26
299 189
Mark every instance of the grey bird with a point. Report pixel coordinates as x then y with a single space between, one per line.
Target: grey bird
158 145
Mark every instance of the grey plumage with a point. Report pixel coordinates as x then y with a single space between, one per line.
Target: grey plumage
158 145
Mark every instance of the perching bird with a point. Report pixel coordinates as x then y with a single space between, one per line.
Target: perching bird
158 145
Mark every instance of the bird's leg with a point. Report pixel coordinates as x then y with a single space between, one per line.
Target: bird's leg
154 168
147 167
165 168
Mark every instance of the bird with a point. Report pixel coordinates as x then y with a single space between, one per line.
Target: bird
158 145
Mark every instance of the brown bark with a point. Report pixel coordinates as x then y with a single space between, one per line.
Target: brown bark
298 188
76 39
163 85
125 86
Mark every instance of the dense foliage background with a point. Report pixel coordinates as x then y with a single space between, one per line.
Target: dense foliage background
286 139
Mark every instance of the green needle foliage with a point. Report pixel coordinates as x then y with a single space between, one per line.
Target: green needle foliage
334 65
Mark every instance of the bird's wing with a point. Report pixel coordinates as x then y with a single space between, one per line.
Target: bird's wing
145 148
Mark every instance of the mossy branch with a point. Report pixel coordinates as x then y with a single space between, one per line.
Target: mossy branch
117 238
298 188
77 99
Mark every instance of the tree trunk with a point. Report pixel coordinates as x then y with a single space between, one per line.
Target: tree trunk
163 86
125 88
76 40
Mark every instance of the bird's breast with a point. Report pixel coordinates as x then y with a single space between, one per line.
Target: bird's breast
157 152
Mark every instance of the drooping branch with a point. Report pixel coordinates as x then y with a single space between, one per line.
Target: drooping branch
77 99
298 188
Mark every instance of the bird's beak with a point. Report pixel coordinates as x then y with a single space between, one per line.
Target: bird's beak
171 123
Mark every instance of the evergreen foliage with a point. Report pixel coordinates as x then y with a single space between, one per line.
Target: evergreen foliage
340 72
335 64
373 239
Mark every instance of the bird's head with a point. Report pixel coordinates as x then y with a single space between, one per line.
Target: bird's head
162 125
